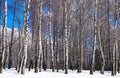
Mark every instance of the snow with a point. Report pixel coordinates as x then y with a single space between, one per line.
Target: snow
11 73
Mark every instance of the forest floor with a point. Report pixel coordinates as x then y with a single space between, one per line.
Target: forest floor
11 73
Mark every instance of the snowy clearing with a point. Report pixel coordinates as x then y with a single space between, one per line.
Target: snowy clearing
48 74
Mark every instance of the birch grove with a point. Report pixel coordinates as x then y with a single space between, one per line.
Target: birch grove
60 35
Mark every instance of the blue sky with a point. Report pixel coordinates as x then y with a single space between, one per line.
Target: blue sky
11 12
45 8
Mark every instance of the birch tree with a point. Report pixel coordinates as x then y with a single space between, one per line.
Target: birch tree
95 39
4 30
39 57
51 39
25 39
20 39
115 43
101 46
101 51
65 34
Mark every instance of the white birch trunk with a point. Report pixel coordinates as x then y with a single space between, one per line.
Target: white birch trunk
115 44
24 58
95 40
101 51
51 39
4 30
39 58
66 35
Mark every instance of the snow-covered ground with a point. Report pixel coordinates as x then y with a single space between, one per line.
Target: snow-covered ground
48 74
